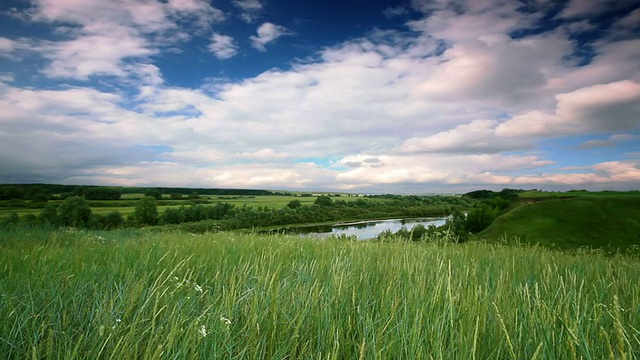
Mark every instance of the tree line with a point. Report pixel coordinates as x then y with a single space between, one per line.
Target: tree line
76 212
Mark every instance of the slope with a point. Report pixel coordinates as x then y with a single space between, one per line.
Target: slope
608 222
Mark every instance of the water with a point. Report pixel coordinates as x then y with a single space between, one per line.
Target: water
369 229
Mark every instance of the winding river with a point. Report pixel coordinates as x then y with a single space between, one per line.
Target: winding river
368 229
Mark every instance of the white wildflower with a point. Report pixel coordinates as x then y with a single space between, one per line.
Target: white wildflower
225 320
203 331
197 287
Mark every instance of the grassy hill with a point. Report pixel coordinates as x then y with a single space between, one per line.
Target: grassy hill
606 221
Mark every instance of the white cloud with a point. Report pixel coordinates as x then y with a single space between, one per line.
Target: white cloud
268 33
459 103
104 35
612 140
6 46
477 137
251 9
106 56
598 108
454 169
223 46
603 107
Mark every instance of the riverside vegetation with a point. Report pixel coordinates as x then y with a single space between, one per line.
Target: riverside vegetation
70 289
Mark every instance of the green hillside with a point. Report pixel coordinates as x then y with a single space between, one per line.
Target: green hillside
609 222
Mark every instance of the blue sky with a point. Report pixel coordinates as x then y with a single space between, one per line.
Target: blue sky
374 96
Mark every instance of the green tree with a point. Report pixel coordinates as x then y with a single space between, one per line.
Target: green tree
323 200
146 212
176 196
74 211
113 220
39 198
481 216
153 193
49 215
294 204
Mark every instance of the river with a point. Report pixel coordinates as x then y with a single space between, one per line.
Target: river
368 229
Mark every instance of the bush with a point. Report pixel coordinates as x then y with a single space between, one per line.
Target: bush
74 211
146 212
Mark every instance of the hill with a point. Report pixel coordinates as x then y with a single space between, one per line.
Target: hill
607 221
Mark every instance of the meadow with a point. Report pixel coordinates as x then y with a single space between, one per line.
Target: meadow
126 205
609 221
133 293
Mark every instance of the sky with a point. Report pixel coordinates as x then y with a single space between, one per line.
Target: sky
366 96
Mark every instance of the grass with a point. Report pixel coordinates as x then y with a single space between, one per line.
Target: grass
610 222
127 204
136 294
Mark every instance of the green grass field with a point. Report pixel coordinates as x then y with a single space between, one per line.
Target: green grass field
610 221
128 294
127 204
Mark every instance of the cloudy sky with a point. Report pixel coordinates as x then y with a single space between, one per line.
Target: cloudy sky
412 96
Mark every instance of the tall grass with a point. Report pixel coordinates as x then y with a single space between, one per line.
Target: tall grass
133 294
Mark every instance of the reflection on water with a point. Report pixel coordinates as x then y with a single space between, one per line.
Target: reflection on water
366 229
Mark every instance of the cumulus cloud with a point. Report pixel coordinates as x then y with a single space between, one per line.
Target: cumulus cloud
268 33
104 35
457 102
223 46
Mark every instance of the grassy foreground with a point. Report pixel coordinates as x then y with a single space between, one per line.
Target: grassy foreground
133 294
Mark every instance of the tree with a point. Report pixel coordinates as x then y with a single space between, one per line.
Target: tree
113 220
102 193
74 211
146 212
49 215
293 204
39 198
153 193
481 216
323 200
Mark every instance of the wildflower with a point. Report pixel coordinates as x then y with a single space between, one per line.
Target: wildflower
203 331
197 287
225 320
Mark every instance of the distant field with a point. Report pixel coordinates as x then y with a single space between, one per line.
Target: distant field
126 204
132 294
541 195
607 220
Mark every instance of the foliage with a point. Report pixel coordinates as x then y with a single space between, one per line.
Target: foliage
49 215
154 193
74 211
146 212
102 193
294 204
112 220
323 200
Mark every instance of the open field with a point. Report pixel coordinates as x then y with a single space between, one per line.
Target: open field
127 204
609 220
134 294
